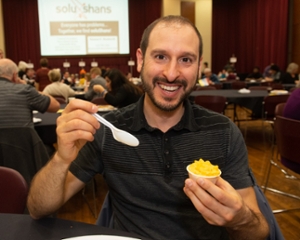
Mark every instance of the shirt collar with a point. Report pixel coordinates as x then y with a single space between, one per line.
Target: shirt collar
187 121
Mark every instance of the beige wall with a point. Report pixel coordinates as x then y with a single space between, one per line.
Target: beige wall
2 44
203 21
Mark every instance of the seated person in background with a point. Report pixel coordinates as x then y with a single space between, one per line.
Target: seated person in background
274 74
255 75
29 76
231 75
205 65
22 69
67 79
223 75
149 188
291 74
210 77
266 72
17 99
96 78
292 106
121 92
57 88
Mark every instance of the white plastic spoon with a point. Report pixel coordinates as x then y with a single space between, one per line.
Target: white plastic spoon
118 134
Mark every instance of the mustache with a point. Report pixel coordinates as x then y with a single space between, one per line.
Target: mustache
165 80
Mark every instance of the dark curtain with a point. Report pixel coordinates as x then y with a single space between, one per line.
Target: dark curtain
255 31
21 28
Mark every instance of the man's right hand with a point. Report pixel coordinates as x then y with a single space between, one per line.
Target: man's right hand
75 127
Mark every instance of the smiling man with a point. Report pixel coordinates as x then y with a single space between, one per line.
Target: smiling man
149 188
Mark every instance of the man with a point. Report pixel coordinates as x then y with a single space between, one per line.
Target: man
210 77
275 74
95 73
145 182
29 76
17 99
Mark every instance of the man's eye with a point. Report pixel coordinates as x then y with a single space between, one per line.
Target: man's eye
161 57
187 60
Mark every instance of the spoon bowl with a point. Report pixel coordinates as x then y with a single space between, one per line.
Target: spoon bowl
118 134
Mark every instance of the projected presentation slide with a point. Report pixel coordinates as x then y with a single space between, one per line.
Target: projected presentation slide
89 27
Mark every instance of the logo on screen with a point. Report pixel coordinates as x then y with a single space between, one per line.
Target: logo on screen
82 8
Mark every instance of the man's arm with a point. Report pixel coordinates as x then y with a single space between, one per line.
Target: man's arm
53 185
54 105
221 205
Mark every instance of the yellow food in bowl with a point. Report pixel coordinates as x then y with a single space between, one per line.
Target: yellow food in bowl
204 168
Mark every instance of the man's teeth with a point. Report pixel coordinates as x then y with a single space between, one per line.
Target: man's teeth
169 88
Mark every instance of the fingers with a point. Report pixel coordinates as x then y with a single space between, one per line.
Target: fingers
205 204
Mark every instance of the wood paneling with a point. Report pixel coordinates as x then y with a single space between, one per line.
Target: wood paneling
187 10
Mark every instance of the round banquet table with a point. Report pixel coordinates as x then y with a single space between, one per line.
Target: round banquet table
22 226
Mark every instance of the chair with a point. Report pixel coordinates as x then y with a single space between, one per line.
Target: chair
238 85
277 86
99 101
22 149
60 99
13 191
270 103
279 109
287 132
218 85
214 103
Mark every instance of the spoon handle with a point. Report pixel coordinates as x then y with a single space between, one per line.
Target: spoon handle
103 120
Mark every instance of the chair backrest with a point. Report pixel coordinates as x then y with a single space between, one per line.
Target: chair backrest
214 103
238 84
218 85
277 86
269 104
60 99
22 149
99 101
259 88
13 191
279 109
287 132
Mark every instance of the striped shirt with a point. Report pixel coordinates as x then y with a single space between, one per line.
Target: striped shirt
146 182
17 102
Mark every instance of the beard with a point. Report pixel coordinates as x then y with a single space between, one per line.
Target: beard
167 105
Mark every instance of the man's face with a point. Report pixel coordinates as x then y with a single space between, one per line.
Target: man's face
171 65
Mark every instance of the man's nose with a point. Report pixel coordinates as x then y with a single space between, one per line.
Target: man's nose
172 70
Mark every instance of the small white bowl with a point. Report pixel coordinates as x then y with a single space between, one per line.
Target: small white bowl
194 176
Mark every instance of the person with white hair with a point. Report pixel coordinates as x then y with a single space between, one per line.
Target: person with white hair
291 74
22 66
57 88
18 99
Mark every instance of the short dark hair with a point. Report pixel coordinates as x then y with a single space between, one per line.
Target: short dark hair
169 19
44 62
274 68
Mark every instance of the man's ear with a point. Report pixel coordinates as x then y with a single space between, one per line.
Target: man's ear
140 59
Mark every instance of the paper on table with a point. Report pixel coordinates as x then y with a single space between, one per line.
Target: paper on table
100 237
244 90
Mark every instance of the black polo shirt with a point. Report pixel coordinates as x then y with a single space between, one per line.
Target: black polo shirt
146 182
